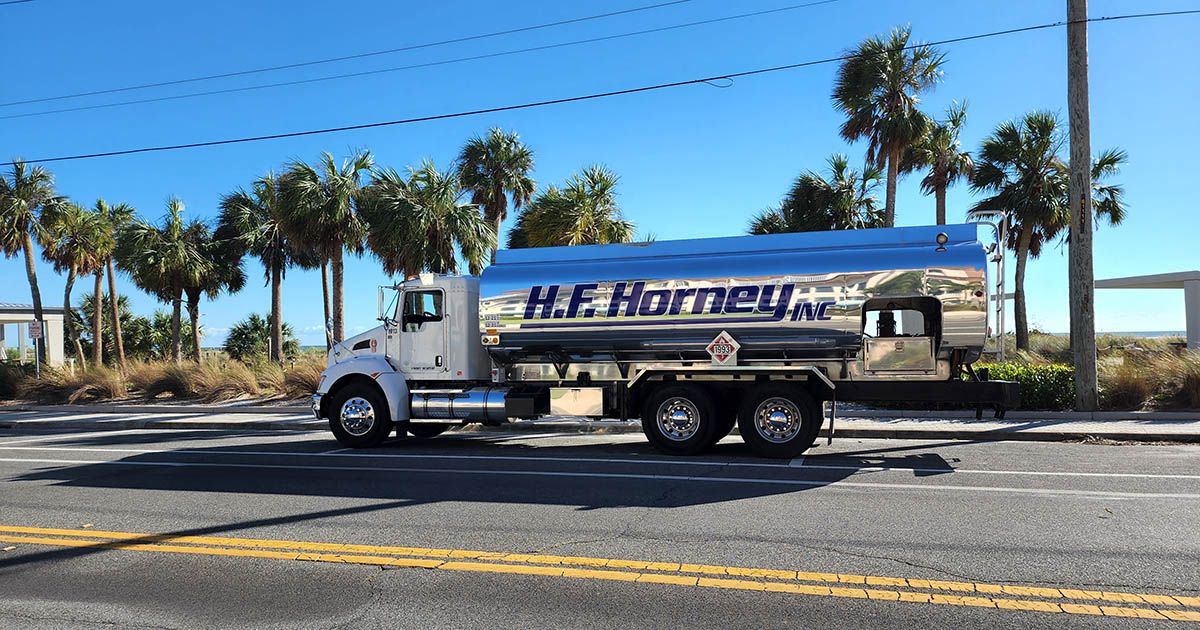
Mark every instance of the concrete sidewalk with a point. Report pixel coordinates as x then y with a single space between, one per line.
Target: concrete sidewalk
852 423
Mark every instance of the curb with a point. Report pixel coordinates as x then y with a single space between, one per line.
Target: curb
259 409
1030 415
617 428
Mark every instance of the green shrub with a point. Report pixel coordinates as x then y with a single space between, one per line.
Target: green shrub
1043 387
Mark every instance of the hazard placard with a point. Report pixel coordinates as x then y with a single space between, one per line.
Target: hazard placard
723 349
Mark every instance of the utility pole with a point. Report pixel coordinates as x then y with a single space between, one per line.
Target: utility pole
1082 280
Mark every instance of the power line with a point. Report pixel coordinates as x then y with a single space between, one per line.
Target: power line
585 97
420 65
14 2
301 64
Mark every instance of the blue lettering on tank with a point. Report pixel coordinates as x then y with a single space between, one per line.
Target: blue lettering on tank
632 299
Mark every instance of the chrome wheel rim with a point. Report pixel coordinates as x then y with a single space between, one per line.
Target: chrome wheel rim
357 416
678 419
777 420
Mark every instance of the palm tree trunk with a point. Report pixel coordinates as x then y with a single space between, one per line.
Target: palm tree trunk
496 245
939 193
69 321
893 173
97 322
176 338
325 294
1019 317
277 314
338 325
118 343
193 307
34 293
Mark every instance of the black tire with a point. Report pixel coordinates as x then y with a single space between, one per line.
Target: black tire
800 420
359 416
426 429
695 419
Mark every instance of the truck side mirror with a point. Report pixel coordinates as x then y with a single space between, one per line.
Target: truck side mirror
379 315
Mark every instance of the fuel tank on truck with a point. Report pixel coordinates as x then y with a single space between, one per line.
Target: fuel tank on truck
780 295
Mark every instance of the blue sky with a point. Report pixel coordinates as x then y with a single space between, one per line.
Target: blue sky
694 161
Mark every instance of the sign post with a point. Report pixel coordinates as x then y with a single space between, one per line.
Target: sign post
35 333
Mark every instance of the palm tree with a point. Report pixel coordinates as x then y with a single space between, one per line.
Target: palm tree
583 212
877 89
1020 165
162 260
844 202
1108 200
940 151
224 260
255 221
25 192
495 168
320 211
417 223
115 219
68 237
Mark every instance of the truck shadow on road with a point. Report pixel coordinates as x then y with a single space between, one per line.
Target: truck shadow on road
479 468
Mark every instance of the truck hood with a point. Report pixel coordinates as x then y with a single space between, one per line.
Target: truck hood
369 343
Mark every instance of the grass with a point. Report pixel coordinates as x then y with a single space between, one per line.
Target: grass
1047 349
57 385
208 381
301 380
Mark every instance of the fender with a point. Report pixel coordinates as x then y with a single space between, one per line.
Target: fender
391 382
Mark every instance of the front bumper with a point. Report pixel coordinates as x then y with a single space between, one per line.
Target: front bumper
316 406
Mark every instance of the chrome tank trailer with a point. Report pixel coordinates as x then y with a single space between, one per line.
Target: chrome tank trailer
783 297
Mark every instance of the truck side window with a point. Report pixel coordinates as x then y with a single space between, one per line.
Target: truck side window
421 307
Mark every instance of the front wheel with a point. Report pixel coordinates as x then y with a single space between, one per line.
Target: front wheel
779 420
679 419
359 417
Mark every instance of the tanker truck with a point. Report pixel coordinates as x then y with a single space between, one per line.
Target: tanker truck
691 337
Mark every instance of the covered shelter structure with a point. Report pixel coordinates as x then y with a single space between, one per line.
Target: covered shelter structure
1189 281
14 325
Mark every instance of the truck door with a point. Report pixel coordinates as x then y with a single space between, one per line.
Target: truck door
423 331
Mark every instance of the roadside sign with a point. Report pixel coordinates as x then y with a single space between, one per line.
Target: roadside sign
35 330
723 349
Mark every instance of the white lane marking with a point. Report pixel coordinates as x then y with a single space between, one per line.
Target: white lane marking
659 462
56 436
542 473
797 463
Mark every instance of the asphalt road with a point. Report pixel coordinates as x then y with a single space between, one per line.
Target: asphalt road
271 529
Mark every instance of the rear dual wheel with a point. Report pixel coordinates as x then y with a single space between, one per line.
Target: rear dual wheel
680 419
779 420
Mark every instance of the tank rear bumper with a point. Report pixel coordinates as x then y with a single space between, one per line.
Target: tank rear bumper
1002 394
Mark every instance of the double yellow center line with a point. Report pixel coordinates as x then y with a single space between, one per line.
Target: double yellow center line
1002 596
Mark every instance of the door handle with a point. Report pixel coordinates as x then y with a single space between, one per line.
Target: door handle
438 360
